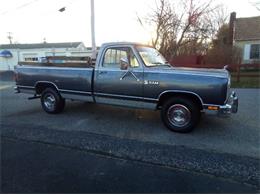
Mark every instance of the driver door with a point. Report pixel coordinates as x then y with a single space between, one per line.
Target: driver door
116 86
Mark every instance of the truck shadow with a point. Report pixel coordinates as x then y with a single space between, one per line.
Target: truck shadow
110 111
115 121
136 119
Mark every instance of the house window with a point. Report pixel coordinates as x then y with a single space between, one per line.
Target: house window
255 51
31 59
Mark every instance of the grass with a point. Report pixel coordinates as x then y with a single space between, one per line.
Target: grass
245 82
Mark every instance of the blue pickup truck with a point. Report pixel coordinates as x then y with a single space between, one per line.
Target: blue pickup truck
132 75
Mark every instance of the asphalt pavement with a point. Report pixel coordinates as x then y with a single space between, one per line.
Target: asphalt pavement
29 167
225 148
238 134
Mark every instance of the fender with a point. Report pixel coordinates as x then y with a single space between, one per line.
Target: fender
181 91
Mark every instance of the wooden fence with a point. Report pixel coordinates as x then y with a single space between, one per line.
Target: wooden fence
238 70
240 67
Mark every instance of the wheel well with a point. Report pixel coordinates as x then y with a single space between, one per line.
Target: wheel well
40 87
166 96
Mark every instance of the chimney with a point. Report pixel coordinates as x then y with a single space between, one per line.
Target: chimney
232 27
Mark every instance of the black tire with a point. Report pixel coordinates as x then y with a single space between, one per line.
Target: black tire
51 101
180 114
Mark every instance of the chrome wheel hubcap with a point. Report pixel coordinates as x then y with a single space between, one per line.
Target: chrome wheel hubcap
49 101
179 115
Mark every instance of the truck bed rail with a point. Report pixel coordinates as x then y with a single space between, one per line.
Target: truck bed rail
62 61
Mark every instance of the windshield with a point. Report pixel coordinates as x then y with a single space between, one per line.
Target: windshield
151 56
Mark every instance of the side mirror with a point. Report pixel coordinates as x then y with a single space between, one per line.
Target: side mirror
124 64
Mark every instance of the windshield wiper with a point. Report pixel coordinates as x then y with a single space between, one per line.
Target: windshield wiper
156 63
159 64
167 64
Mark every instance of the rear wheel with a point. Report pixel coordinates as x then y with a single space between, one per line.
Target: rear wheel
180 114
51 101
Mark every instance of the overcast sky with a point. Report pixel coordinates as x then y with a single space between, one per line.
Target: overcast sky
30 21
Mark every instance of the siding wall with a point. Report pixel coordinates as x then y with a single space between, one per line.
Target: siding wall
245 46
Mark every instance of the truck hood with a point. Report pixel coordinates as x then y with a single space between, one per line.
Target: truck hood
221 73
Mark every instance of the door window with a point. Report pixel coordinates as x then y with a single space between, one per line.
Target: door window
113 56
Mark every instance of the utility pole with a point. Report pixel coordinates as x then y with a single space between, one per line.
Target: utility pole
92 18
10 37
94 49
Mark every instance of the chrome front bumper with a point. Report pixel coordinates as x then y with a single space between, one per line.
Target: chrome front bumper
231 106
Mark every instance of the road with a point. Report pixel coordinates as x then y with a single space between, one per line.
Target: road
29 167
239 134
224 147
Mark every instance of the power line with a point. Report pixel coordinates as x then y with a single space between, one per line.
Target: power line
26 4
19 7
256 4
4 12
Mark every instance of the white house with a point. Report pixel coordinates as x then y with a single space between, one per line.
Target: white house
10 54
246 35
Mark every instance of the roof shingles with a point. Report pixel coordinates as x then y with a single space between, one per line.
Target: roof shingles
41 45
247 28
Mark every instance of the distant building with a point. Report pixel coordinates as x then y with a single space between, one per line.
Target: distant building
245 33
10 54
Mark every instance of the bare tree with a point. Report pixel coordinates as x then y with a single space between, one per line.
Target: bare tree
185 28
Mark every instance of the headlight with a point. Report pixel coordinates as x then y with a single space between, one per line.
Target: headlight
229 81
228 87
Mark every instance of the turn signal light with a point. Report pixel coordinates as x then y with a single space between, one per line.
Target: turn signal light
212 107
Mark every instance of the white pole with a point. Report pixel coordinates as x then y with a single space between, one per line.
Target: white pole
93 30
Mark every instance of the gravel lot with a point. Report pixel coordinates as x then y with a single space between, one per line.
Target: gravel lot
238 134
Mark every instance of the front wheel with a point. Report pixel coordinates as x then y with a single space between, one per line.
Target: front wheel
51 101
180 114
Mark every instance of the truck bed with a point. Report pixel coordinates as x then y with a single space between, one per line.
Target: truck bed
71 79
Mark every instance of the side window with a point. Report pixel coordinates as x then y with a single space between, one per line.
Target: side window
133 61
113 56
